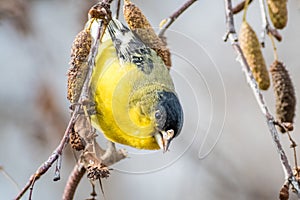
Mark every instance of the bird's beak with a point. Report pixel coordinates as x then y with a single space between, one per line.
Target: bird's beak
163 139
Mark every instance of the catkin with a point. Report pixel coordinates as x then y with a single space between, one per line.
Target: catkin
78 69
94 166
284 93
284 193
251 49
76 141
137 22
278 13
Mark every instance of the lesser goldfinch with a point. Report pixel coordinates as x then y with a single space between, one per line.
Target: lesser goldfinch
134 95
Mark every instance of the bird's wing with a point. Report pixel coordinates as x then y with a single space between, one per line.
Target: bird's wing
130 48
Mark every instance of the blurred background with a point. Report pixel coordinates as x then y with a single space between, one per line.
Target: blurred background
225 150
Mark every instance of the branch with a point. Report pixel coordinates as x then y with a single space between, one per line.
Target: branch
48 163
238 8
9 177
107 1
174 16
118 8
231 34
73 181
266 25
108 157
78 108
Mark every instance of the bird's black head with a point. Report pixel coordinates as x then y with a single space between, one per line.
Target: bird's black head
169 118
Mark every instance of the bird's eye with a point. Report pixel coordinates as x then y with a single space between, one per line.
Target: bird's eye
158 115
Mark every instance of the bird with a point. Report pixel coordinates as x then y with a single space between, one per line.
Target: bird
133 92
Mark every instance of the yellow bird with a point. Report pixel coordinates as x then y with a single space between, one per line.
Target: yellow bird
134 95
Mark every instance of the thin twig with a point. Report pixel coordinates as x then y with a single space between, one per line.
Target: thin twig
85 93
266 25
73 181
107 1
245 10
174 16
57 169
79 170
48 163
10 178
239 7
231 34
118 9
31 189
274 46
93 193
265 22
293 145
58 151
101 188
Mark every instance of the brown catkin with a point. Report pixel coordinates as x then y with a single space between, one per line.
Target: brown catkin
252 51
76 141
284 193
94 166
284 93
78 69
137 22
278 13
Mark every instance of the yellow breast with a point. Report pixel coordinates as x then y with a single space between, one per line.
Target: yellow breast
112 84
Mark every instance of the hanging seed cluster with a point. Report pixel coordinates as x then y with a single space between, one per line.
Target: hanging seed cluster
76 141
95 172
278 13
284 93
284 193
95 168
252 51
78 70
137 22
